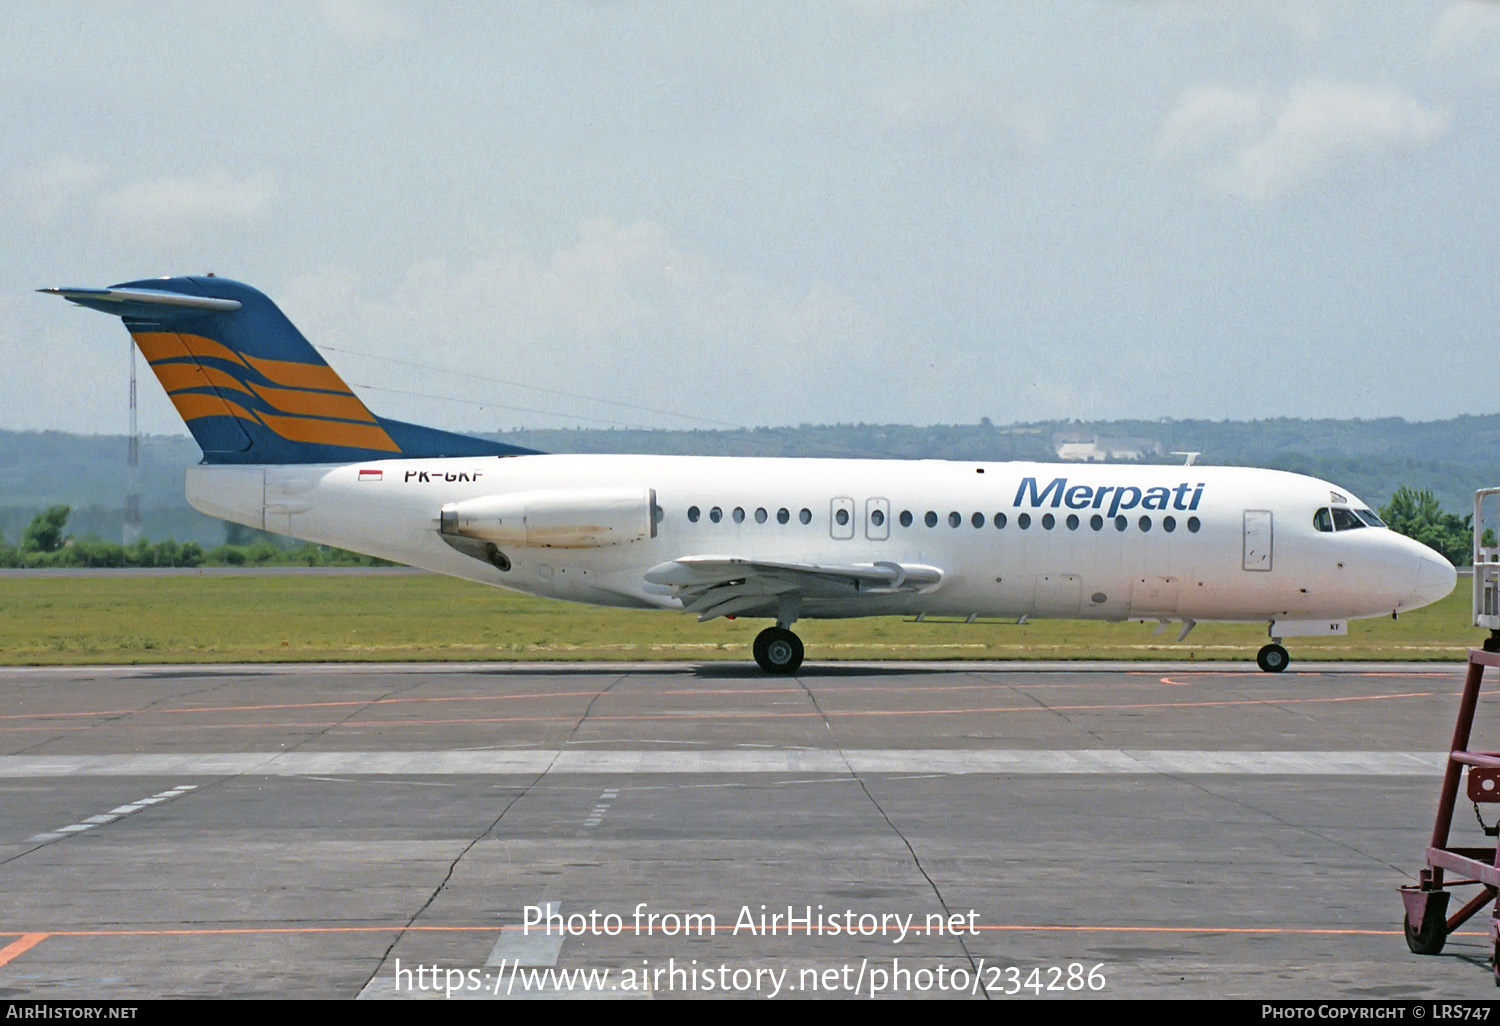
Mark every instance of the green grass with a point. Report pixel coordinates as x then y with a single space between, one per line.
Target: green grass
108 619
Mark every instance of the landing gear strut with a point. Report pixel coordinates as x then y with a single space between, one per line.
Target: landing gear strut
1272 658
778 650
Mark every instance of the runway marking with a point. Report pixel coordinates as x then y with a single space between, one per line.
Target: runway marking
698 762
47 836
26 942
688 716
672 692
601 807
528 949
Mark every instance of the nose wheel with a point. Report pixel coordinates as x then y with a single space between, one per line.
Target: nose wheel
1272 658
778 650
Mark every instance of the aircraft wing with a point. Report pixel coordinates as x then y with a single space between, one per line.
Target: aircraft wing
714 586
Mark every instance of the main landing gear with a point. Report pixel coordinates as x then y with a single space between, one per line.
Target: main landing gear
1272 658
778 650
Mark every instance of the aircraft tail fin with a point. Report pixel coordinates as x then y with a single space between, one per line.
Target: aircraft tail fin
249 386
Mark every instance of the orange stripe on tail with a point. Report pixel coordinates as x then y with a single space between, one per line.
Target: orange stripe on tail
314 404
192 405
175 377
330 432
299 375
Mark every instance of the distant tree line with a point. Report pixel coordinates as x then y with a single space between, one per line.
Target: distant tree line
45 543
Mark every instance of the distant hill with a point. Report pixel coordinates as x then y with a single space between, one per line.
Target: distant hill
1371 457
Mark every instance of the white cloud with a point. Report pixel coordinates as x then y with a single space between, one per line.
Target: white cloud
163 210
1468 31
1209 114
365 23
1263 150
619 311
44 192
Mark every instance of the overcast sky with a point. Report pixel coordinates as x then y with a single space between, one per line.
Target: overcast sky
762 214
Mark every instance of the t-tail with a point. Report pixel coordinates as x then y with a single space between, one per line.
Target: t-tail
249 386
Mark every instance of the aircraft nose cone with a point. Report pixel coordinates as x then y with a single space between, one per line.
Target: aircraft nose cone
1435 578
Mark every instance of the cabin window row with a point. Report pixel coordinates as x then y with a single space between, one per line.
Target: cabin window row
761 515
1047 521
1023 521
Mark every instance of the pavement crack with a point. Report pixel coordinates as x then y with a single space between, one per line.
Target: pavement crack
453 866
905 841
106 720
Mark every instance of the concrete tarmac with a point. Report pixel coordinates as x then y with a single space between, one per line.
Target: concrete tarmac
1055 831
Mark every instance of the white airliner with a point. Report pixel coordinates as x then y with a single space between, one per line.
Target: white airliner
288 447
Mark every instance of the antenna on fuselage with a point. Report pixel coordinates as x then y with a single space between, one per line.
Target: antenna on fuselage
1192 457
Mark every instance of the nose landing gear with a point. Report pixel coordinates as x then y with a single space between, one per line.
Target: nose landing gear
1272 658
778 650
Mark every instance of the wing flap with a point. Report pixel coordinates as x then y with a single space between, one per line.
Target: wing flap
713 586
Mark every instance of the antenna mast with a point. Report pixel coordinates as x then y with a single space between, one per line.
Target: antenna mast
132 530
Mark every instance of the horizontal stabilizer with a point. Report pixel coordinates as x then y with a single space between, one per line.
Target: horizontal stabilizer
114 300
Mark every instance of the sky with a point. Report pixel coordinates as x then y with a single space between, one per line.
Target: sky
612 213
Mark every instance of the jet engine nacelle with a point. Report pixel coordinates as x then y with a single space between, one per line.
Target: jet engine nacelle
563 518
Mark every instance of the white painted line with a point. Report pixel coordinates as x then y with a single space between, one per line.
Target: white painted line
534 948
111 816
955 761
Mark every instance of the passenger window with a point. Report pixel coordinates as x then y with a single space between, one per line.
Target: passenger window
783 515
977 520
1096 522
1169 524
1120 522
1048 521
805 516
693 514
906 518
930 519
1000 520
954 519
739 515
760 515
1023 521
1144 523
716 514
842 517
1322 521
1345 520
877 517
1193 525
1072 521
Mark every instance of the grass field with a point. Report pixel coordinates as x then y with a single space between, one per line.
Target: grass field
110 619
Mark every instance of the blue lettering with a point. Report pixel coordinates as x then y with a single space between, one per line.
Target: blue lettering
1157 498
1029 484
1119 502
1078 497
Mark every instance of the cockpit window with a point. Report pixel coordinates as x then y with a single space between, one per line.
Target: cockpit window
1345 520
1322 521
1370 518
